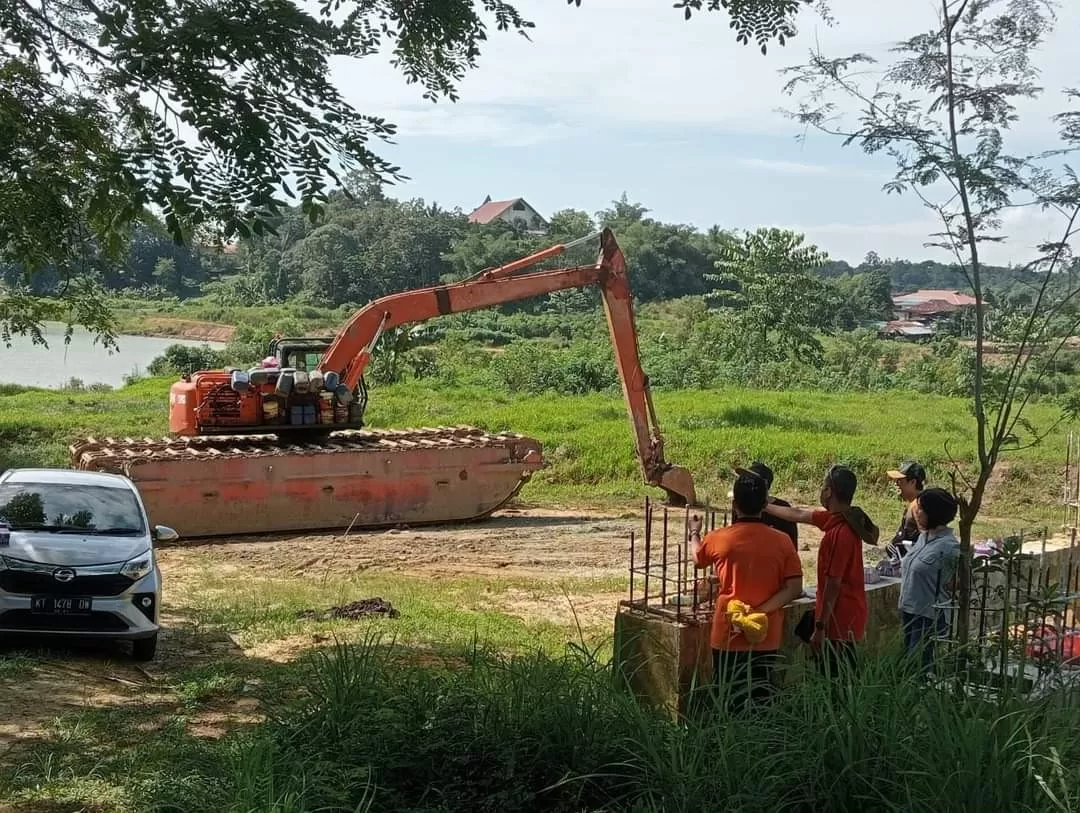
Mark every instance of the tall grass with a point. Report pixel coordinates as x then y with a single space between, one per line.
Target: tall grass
537 733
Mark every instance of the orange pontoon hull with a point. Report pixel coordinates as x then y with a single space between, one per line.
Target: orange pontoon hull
228 486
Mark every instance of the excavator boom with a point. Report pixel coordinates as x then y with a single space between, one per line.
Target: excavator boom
351 351
276 448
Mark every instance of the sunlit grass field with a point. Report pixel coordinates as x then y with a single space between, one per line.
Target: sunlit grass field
588 442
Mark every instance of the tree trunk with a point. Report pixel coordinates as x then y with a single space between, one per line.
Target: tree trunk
969 509
963 581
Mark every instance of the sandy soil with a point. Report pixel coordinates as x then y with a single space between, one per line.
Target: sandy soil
170 327
66 678
531 543
521 543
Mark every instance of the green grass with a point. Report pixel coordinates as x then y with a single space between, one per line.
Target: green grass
445 612
375 731
534 732
153 749
588 443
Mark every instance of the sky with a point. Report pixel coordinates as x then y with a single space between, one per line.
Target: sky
626 96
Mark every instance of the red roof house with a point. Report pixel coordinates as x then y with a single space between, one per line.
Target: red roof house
515 210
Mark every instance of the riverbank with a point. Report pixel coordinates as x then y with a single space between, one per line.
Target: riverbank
203 319
166 327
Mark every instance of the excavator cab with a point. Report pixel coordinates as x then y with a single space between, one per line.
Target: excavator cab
303 354
299 353
285 395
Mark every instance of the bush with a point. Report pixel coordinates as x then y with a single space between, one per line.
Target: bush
533 367
250 343
497 733
180 359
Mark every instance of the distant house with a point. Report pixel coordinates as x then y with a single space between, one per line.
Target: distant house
929 304
916 314
515 211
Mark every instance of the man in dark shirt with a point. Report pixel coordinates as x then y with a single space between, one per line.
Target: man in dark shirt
910 481
790 528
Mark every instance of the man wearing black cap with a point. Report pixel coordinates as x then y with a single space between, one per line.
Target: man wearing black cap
754 565
910 481
790 528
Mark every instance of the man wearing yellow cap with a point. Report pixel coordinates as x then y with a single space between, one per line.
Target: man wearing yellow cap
758 573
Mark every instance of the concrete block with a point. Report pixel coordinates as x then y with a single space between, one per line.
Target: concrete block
661 660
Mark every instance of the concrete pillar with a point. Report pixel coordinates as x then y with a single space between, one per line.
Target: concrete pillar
661 660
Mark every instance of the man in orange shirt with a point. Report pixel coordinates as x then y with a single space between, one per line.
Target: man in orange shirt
840 610
758 566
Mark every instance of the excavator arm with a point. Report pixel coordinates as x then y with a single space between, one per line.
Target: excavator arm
351 351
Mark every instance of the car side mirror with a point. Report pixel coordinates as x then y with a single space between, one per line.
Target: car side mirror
163 533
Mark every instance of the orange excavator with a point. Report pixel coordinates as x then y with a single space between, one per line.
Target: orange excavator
282 447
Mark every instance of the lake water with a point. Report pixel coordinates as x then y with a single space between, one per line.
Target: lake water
36 366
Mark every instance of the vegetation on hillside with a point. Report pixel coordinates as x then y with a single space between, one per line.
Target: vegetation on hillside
370 244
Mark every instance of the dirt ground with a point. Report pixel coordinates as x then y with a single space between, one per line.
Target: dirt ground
529 543
547 544
536 543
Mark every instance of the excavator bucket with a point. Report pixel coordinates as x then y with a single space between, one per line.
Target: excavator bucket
228 486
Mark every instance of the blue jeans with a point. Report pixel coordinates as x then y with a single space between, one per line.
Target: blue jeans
919 635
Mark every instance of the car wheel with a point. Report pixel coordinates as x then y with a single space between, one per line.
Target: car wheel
144 649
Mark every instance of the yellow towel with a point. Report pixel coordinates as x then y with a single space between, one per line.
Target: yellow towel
755 626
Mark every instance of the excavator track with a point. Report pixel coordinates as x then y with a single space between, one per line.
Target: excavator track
228 485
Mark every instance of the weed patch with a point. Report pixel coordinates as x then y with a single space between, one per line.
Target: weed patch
535 732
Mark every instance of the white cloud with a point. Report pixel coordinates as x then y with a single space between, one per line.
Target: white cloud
1024 229
475 124
633 74
784 167
617 63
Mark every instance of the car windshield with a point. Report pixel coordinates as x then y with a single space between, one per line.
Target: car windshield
70 508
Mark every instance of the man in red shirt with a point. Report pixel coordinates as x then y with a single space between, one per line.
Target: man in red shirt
758 566
840 610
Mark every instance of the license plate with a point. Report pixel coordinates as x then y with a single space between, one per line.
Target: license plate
61 605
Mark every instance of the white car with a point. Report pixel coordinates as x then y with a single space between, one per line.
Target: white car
77 558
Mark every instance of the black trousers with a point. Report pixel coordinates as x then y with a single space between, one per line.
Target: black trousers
837 659
744 677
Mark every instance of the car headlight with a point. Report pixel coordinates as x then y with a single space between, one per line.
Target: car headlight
138 567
